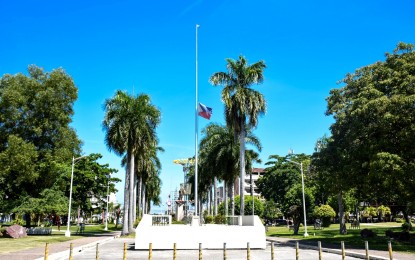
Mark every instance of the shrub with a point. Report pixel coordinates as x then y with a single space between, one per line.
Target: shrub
21 222
326 213
220 219
399 220
406 226
365 233
209 219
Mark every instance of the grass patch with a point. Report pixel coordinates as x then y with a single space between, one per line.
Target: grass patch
12 245
331 237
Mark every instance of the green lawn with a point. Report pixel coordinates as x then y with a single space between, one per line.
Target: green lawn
331 236
12 245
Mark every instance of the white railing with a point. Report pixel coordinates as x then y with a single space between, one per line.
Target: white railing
233 220
161 220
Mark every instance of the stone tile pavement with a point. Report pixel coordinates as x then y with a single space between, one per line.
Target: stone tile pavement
111 247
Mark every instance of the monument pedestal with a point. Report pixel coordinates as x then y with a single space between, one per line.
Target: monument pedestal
212 236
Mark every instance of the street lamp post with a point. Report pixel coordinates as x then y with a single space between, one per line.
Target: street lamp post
68 232
108 190
302 184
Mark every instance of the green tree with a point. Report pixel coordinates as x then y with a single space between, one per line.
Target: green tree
271 210
36 140
250 204
374 128
243 104
331 171
90 181
130 125
281 183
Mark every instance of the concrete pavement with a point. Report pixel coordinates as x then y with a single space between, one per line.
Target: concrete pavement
111 247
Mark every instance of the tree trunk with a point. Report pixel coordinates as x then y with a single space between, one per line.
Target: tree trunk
225 197
135 198
139 205
131 193
233 199
144 200
342 219
28 220
207 202
124 231
407 218
215 196
242 169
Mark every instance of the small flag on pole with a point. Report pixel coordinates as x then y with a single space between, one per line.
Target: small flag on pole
204 111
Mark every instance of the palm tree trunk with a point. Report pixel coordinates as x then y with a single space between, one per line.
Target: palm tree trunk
215 196
233 199
225 197
126 202
131 193
144 200
342 220
242 169
140 184
210 201
135 198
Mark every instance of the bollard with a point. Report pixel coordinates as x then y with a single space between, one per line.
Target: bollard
248 252
367 250
46 251
224 251
97 252
125 252
297 247
174 251
150 251
70 251
272 250
200 251
343 251
319 250
390 250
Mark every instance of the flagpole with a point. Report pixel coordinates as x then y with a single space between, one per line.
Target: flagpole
196 133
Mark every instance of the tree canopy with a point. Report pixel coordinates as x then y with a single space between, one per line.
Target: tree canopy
371 144
36 139
37 145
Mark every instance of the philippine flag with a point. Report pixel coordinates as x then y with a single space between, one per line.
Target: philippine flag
204 111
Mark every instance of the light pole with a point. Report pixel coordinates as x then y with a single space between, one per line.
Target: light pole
302 184
68 232
108 190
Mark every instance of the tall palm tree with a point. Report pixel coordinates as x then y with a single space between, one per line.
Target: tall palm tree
148 167
243 104
130 124
219 156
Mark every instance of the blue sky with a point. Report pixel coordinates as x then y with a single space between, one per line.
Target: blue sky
149 47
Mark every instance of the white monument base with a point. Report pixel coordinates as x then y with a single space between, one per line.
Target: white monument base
250 230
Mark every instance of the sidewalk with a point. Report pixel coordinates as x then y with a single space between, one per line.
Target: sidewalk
330 248
58 250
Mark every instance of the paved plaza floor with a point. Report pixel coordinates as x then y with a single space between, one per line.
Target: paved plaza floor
114 250
111 246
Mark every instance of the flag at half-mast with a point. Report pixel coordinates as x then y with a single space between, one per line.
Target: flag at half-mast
204 111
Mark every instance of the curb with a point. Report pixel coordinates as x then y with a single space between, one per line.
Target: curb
76 250
332 251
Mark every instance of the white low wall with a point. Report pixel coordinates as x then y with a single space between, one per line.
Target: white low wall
211 236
